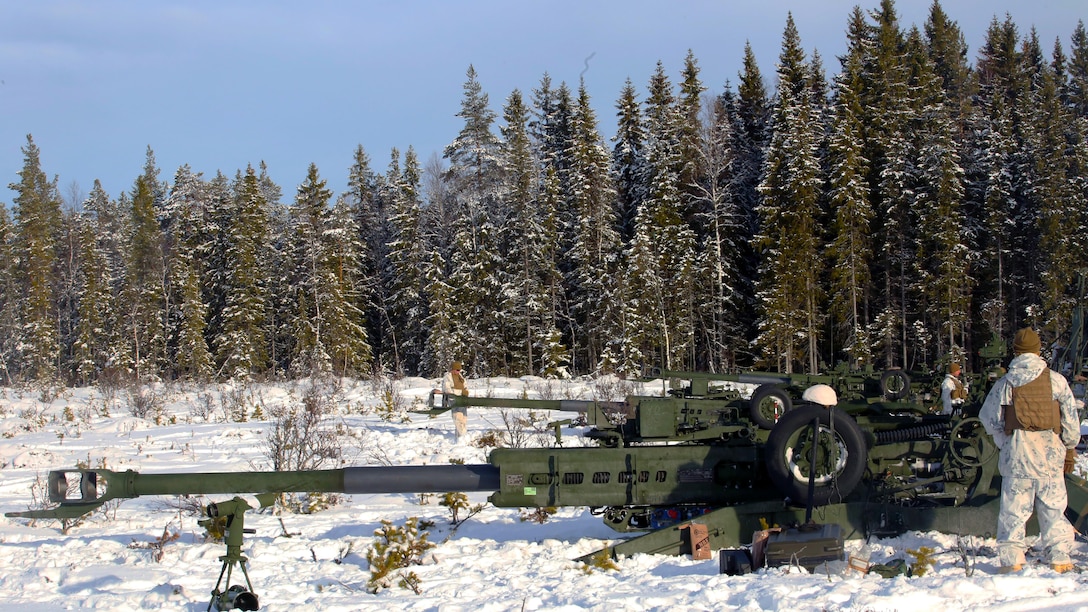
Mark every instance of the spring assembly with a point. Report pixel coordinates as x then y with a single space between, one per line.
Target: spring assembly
908 434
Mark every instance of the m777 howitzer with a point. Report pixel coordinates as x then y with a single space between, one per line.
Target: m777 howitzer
659 465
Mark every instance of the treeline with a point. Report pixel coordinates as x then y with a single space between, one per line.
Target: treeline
898 214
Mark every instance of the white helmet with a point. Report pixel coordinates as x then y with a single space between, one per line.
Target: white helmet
820 394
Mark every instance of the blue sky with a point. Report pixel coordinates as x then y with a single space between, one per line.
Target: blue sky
222 84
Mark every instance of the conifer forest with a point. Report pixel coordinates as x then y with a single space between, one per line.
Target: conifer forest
899 213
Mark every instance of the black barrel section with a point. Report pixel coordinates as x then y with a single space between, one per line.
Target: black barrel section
421 479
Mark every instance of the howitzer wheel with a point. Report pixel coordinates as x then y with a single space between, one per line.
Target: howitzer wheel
895 384
768 404
840 454
969 444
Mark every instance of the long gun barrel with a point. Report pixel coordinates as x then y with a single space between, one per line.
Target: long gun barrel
79 491
438 403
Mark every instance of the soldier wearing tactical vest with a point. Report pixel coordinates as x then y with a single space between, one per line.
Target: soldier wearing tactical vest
1031 414
454 383
953 391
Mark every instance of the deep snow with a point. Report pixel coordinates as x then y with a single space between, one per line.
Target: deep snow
492 562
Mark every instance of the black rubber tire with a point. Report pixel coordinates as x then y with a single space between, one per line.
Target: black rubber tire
791 477
762 410
895 384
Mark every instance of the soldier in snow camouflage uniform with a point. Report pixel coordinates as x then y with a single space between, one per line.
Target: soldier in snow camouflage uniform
1035 425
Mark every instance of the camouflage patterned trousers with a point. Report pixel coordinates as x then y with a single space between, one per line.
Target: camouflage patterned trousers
1047 498
460 422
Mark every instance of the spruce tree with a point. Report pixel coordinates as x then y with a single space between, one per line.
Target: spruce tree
596 243
788 239
850 251
242 348
189 238
37 225
629 169
9 302
407 261
144 301
476 183
942 277
328 332
662 257
96 330
1078 72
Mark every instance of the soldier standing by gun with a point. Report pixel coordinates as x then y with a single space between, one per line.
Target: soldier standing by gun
454 384
953 391
1031 414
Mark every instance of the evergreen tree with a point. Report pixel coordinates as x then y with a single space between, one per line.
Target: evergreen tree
943 259
789 285
1078 72
662 258
9 303
690 134
328 333
850 252
348 340
751 130
531 322
948 52
143 297
96 330
37 221
594 253
476 183
407 261
370 200
241 348
629 169
189 237
1058 208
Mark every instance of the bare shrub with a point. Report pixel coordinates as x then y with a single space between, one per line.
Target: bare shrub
525 429
612 389
144 401
306 438
204 407
545 389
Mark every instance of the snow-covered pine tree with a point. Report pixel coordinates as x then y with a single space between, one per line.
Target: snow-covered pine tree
348 341
37 226
850 251
188 236
328 331
9 315
942 278
529 268
242 347
407 260
891 175
596 243
97 308
628 161
1077 89
143 297
790 292
551 131
475 182
1059 209
370 199
662 260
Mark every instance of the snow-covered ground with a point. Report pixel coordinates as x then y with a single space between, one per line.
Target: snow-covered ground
150 553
